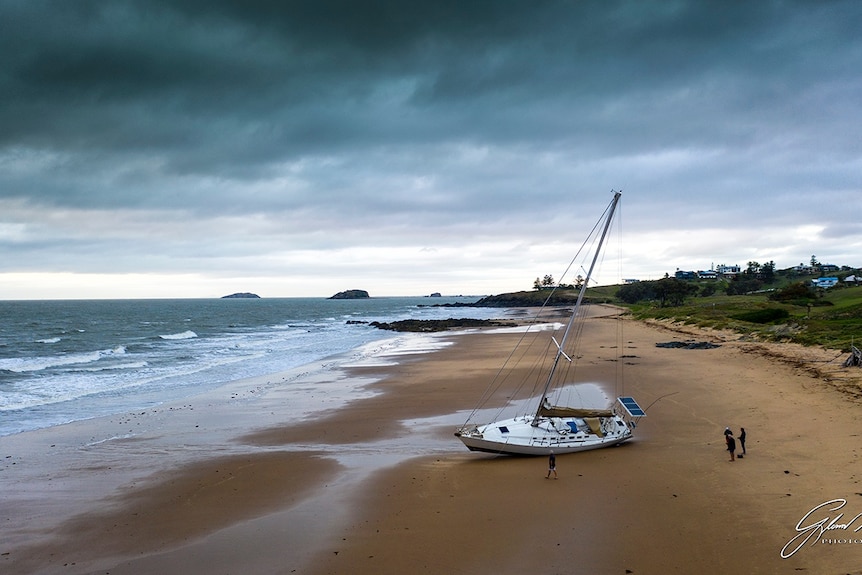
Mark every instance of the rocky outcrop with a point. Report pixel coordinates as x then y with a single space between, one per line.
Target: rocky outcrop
529 299
245 295
688 344
351 294
432 325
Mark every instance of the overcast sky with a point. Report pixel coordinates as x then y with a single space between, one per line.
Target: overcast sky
197 148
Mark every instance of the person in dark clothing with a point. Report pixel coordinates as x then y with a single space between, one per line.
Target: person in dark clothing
552 466
731 445
742 439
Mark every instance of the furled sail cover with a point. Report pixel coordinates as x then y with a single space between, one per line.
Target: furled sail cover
595 426
557 411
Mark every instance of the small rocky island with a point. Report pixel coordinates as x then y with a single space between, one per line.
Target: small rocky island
242 295
351 294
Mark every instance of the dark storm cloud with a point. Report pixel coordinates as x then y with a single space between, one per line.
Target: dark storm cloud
426 118
215 85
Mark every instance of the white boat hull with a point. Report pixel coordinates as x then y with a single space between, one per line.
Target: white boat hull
518 436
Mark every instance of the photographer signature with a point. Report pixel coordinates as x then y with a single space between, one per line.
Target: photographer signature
806 531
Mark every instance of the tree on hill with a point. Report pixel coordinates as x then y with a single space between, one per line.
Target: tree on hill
708 289
767 272
672 292
668 291
635 292
799 291
545 282
743 284
764 272
746 282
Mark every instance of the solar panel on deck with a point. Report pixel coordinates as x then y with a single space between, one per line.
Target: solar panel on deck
632 407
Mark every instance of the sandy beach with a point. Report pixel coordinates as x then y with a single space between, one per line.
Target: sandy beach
230 483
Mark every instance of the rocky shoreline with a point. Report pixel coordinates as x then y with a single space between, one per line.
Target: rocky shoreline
437 325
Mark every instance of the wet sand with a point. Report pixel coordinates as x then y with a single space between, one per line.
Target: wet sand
234 483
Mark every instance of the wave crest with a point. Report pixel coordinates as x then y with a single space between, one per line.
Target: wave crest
188 334
25 364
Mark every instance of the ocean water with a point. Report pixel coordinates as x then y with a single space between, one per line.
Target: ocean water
63 361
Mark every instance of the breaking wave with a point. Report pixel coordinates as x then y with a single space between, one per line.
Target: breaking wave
182 335
26 364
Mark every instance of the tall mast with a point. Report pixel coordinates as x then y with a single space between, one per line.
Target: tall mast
562 344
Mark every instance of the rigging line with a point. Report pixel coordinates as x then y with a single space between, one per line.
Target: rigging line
620 319
591 239
571 370
604 227
503 373
622 354
660 398
496 381
622 350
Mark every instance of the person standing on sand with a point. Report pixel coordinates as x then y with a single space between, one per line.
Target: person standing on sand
742 439
731 443
552 465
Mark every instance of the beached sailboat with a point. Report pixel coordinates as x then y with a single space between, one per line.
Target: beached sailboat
551 428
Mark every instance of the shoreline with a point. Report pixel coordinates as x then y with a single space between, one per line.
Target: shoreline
350 491
63 481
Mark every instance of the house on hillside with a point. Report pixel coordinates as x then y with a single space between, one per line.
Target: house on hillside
805 270
707 274
728 271
825 283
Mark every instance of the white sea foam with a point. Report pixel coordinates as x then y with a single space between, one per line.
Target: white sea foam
26 364
125 365
536 327
126 354
188 334
387 351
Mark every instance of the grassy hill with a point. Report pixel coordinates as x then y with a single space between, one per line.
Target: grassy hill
833 320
